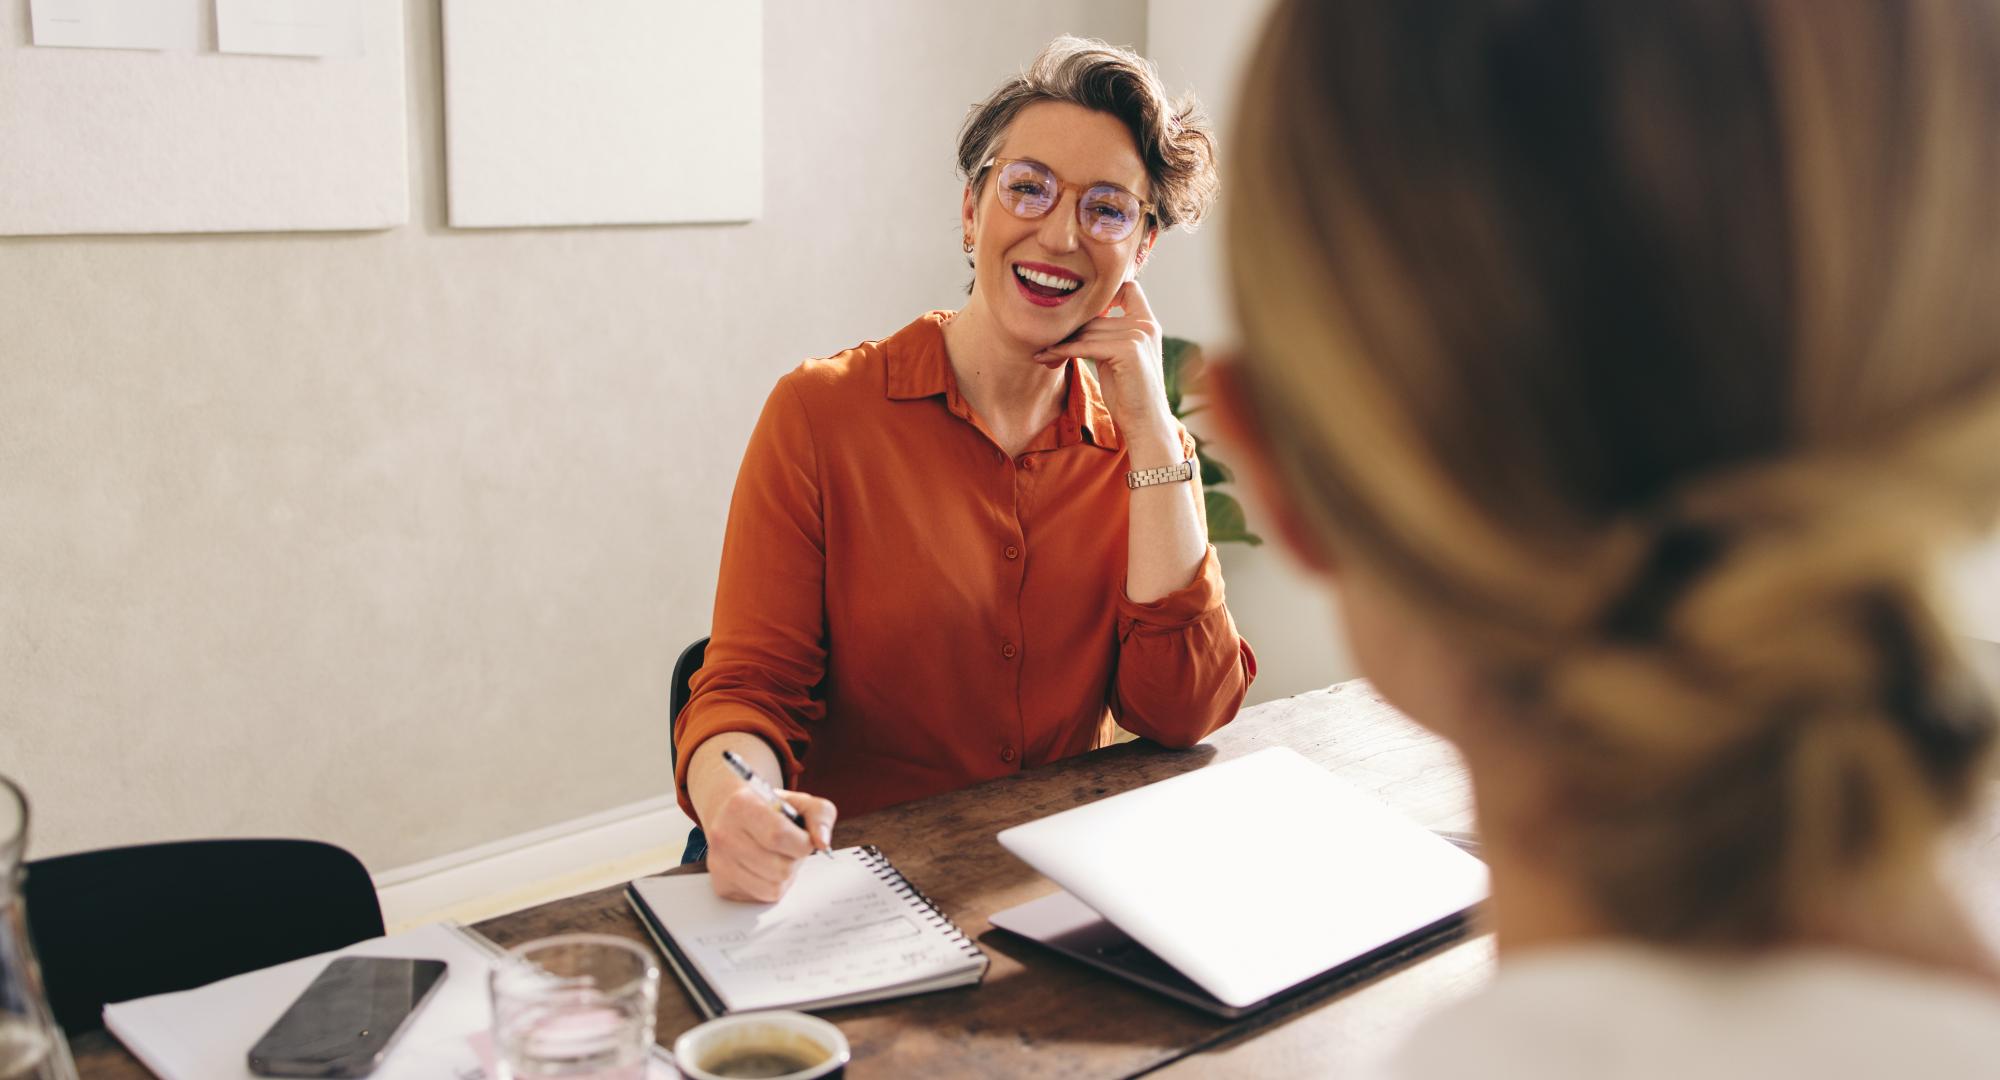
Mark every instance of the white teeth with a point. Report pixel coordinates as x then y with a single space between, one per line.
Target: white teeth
1048 281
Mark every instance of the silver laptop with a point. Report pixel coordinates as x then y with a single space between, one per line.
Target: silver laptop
1238 884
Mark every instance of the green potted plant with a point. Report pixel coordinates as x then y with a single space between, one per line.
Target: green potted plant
1182 362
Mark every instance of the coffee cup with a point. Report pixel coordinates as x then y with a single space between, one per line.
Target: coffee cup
763 1046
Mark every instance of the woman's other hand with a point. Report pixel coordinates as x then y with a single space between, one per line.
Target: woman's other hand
1168 530
1130 369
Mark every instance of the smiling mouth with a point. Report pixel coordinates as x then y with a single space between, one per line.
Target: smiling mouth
1041 283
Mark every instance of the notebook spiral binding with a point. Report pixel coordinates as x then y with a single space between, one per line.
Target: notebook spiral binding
879 865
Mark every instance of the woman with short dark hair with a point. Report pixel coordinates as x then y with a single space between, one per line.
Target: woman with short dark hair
954 553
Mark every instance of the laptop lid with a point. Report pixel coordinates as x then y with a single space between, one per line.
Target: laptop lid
1254 875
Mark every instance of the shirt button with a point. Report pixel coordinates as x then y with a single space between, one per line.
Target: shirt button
1012 552
1008 650
1007 754
1025 461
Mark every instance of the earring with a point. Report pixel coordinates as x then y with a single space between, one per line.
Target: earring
968 243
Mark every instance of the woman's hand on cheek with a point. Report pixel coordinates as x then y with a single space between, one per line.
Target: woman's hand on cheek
1127 349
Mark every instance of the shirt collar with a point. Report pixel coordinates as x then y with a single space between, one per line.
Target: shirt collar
918 367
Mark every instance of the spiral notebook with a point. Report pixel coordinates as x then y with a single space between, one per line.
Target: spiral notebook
850 929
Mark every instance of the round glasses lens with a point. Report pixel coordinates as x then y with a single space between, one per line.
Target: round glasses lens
1026 189
1108 213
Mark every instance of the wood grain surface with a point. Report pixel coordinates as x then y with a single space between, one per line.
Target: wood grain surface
1039 1015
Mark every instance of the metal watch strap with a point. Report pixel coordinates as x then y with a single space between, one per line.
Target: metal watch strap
1165 474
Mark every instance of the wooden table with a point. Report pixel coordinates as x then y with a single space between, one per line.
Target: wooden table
1038 1014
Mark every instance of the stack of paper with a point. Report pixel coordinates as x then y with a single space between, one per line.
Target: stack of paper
206 1033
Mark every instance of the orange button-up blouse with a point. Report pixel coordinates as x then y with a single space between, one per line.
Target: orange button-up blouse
903 609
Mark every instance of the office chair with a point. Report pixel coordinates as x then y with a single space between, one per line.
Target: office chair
129 922
684 669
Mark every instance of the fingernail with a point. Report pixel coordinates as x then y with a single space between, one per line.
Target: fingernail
826 835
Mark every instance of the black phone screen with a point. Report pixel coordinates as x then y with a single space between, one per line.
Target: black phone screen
344 1022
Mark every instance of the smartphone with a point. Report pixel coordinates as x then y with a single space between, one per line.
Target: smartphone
345 1022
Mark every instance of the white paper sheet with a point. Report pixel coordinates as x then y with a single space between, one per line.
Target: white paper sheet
206 1033
117 24
289 27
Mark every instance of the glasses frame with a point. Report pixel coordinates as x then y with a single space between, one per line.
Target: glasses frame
1063 187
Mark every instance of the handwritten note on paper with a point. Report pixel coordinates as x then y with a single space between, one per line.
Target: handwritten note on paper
116 24
840 930
289 27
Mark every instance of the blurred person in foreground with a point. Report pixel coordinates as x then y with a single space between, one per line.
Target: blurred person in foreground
1627 369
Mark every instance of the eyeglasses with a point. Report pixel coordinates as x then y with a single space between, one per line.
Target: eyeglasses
1030 189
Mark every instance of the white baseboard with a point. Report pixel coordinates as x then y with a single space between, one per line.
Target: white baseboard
534 867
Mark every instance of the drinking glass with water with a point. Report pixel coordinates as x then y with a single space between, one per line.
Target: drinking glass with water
575 1007
31 1046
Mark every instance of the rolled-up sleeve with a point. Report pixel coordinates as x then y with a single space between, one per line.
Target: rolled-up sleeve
767 647
1182 667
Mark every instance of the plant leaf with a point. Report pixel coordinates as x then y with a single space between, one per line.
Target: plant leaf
1215 472
1226 523
1179 359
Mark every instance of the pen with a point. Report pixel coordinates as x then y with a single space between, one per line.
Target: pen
764 792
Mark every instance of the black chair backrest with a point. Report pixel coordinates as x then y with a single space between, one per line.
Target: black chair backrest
127 922
677 697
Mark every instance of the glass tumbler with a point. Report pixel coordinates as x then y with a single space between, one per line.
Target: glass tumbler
31 1047
575 1007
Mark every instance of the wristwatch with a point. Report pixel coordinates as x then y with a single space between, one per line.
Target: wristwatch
1165 474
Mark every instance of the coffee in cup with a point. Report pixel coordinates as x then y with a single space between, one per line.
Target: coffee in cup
762 1046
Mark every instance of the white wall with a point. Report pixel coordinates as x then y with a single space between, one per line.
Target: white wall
1978 591
1281 611
391 538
